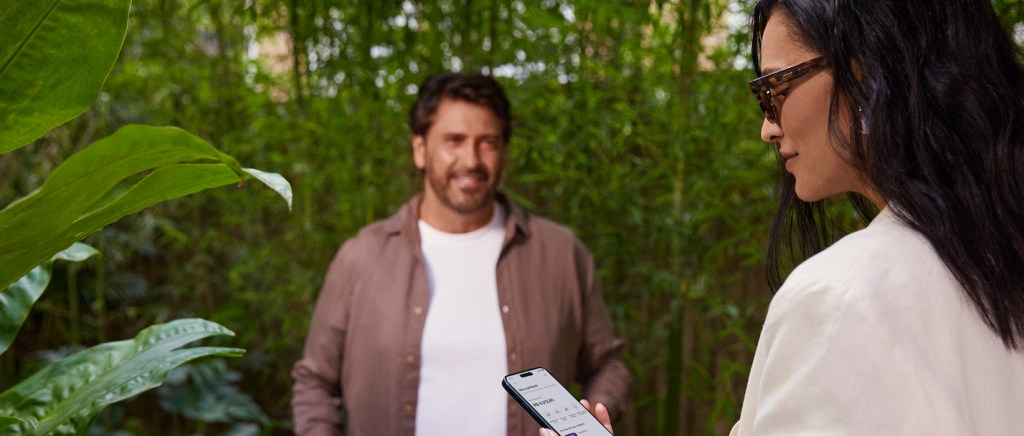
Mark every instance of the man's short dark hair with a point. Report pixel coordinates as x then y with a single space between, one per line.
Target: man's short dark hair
473 88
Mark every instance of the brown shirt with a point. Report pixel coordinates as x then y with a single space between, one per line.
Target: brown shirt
364 339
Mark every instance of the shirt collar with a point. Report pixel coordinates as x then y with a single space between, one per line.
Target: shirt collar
405 221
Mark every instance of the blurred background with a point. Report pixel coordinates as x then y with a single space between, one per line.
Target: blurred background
633 126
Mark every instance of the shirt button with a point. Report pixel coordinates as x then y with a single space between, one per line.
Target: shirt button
417 310
512 356
504 309
411 358
409 407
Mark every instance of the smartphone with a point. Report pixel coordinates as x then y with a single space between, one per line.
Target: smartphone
551 404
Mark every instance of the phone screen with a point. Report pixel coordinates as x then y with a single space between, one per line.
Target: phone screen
551 404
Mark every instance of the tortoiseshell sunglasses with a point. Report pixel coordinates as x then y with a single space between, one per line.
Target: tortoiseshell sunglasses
765 86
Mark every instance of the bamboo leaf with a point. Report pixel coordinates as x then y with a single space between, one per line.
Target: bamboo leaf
136 167
16 301
54 57
66 396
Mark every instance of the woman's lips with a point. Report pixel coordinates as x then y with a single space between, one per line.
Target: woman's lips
789 158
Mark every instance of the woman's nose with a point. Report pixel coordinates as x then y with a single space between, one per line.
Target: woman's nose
770 132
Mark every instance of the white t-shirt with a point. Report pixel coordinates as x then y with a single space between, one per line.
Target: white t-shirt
874 336
463 356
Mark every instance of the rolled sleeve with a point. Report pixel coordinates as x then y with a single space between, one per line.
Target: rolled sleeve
316 401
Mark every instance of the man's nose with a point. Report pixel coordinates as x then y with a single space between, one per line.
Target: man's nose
470 152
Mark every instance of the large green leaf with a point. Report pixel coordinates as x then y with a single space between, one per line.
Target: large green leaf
54 57
136 167
17 300
65 397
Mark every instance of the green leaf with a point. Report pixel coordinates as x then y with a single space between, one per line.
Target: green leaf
136 167
65 397
276 182
8 423
54 57
17 299
77 252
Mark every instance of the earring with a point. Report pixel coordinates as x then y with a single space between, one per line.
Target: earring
863 122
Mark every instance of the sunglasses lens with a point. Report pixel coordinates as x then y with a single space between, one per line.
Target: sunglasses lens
764 100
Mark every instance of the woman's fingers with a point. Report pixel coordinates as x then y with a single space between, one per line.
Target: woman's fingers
601 412
598 410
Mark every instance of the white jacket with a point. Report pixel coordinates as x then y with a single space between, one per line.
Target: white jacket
873 336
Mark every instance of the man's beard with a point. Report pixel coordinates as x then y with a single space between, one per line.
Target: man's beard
471 202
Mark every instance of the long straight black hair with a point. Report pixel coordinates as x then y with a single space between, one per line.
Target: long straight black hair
938 90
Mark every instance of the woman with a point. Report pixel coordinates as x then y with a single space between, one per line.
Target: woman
915 324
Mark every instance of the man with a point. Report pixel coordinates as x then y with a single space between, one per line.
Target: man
423 313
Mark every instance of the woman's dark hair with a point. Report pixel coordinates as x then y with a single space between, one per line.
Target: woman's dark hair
473 88
937 90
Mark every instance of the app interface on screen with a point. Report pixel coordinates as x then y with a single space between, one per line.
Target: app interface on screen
556 405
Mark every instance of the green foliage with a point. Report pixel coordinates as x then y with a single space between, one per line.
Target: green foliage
614 136
18 298
66 397
54 56
206 392
131 170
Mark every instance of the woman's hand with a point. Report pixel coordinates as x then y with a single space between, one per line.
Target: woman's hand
598 410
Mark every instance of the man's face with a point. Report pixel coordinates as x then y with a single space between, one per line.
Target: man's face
462 157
